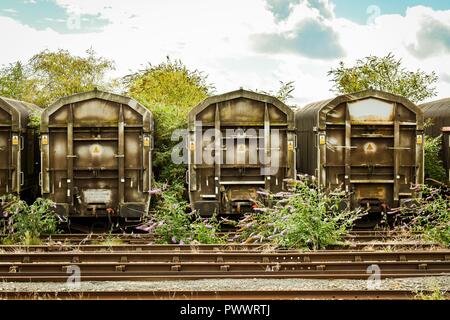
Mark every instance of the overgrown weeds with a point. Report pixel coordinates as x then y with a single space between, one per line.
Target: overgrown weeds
305 217
25 223
428 214
109 240
173 224
436 294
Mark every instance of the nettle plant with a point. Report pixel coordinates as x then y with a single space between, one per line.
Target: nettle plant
428 214
307 216
26 223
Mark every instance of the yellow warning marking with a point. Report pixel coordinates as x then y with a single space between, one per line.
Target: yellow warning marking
15 140
192 145
146 141
290 146
96 149
370 147
44 139
322 139
419 139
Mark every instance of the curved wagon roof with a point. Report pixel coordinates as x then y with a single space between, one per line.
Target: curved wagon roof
102 95
313 110
241 93
19 110
439 108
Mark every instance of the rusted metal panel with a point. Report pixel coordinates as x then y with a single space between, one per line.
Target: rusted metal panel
19 155
96 155
254 149
368 143
439 113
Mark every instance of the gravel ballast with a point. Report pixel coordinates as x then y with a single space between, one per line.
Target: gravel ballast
412 284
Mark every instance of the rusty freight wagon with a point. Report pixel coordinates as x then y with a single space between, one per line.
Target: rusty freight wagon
439 113
239 142
369 143
96 156
19 148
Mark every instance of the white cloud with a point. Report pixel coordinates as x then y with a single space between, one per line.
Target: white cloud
10 10
214 36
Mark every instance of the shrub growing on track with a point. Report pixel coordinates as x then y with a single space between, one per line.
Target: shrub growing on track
172 224
26 222
428 215
306 217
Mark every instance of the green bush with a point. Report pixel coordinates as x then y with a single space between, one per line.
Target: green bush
305 217
27 223
434 167
169 90
173 224
429 215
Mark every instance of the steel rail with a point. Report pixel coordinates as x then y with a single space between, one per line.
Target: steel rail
225 256
251 269
219 295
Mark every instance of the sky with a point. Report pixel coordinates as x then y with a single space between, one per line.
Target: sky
253 44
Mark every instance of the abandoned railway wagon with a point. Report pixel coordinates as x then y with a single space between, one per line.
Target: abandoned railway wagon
96 156
19 148
369 143
439 113
239 142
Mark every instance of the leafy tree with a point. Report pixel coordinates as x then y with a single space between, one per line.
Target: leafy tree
170 90
434 167
385 74
13 81
48 76
59 74
284 93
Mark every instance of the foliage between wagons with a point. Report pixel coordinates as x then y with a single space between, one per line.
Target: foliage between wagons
307 216
172 224
434 166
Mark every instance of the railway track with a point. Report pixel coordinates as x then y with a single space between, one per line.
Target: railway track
137 258
224 256
154 265
217 295
63 247
142 238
